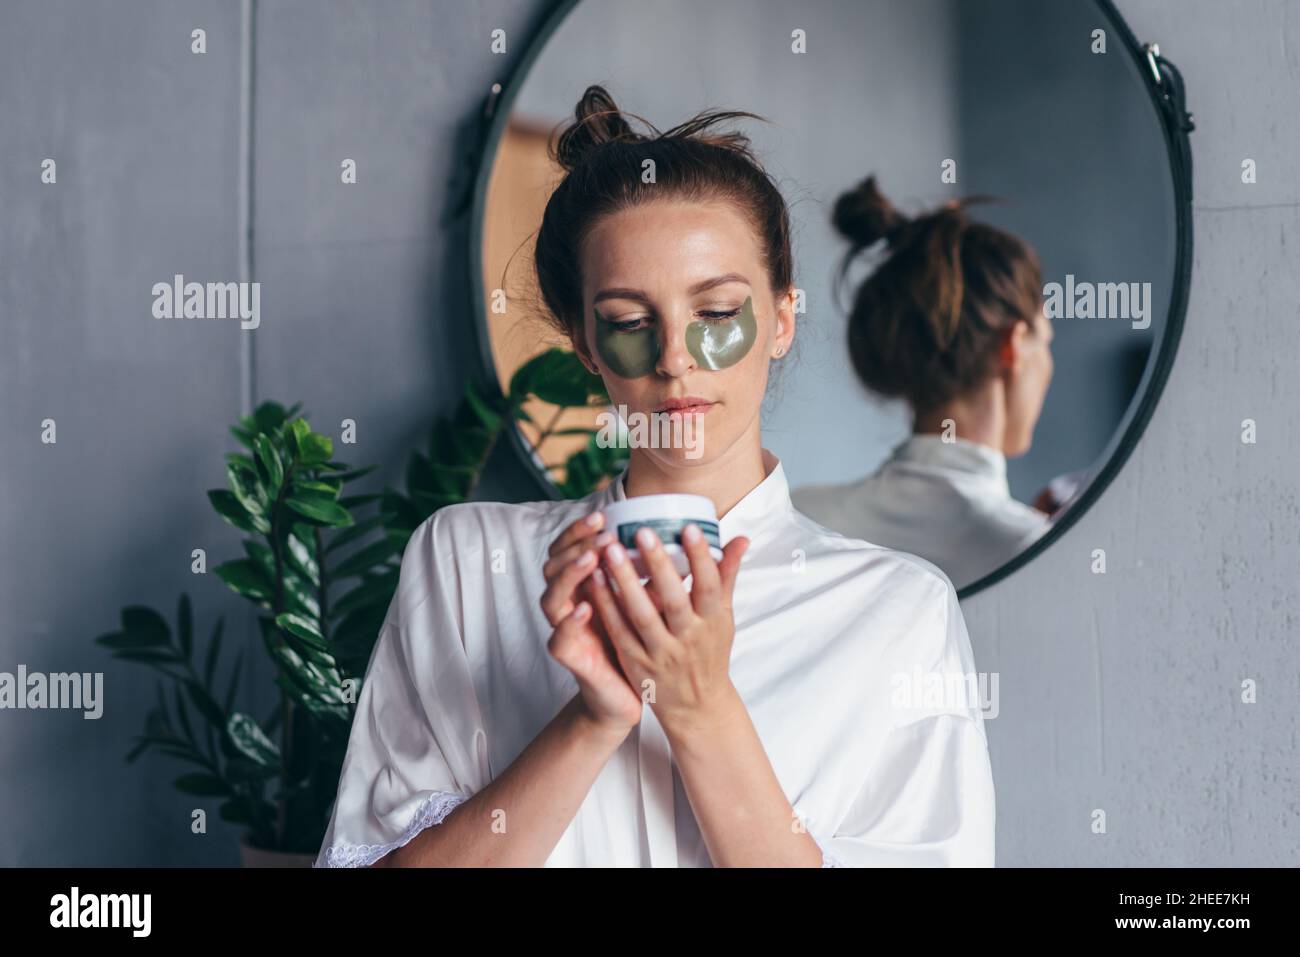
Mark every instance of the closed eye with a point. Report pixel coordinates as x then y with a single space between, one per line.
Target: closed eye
715 315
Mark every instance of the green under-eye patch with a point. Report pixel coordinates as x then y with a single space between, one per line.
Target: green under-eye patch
715 344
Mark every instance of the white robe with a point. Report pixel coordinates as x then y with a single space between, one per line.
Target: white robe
830 633
948 502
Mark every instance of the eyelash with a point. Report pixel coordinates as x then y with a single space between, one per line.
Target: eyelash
713 315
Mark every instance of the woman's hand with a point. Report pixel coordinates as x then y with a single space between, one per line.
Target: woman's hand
579 642
672 644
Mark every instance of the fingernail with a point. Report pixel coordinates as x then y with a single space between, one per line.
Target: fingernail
594 519
691 533
584 559
604 538
616 554
582 609
646 538
599 577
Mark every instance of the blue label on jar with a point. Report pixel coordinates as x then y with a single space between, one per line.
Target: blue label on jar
669 531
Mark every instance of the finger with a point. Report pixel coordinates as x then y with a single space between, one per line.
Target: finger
557 599
674 602
556 562
729 567
578 530
573 646
706 581
627 645
638 611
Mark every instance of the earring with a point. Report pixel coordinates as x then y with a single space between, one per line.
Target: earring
780 351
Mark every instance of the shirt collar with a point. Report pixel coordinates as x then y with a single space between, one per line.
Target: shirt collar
958 455
766 501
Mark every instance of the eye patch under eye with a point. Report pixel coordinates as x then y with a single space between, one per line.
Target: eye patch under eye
715 344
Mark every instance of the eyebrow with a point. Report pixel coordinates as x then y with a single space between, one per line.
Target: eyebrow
640 296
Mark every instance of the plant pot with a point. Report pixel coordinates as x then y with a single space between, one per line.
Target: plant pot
251 856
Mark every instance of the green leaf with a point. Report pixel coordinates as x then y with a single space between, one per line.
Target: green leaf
300 595
305 483
556 376
246 579
270 459
302 628
249 739
489 417
229 508
356 501
147 624
319 508
294 435
269 416
248 490
261 555
120 641
299 555
244 435
315 449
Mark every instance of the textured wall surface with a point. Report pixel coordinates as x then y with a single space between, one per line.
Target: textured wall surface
1118 692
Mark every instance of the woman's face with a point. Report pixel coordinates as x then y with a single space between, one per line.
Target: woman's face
678 304
1026 380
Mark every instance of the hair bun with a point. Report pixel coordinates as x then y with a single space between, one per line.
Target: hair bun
864 216
597 120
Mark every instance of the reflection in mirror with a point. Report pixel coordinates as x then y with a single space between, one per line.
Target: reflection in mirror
972 375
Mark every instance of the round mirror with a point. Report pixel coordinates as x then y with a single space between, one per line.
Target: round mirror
1053 110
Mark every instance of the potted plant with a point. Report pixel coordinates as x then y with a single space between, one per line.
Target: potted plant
320 567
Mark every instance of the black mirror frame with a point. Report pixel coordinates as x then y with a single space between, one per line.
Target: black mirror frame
1164 84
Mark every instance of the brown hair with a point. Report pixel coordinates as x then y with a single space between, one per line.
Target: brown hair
927 324
603 158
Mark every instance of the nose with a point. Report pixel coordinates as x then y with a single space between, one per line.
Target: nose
675 360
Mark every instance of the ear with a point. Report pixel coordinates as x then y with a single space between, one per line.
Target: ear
584 355
785 321
1011 351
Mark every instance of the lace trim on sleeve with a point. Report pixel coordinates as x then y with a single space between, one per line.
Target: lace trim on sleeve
434 808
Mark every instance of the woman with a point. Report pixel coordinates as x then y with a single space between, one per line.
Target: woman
951 321
531 702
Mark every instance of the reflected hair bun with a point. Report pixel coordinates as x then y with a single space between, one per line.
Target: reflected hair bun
597 120
864 216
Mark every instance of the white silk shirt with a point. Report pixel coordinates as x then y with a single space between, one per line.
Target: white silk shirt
840 652
948 502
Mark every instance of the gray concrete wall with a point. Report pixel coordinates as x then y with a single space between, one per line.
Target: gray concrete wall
1118 692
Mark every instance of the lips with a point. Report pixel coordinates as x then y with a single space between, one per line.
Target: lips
686 405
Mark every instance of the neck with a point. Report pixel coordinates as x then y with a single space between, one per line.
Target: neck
978 417
725 480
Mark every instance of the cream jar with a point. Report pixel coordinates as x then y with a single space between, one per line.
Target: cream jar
666 515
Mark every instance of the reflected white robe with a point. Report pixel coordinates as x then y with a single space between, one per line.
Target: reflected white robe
948 502
460 682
